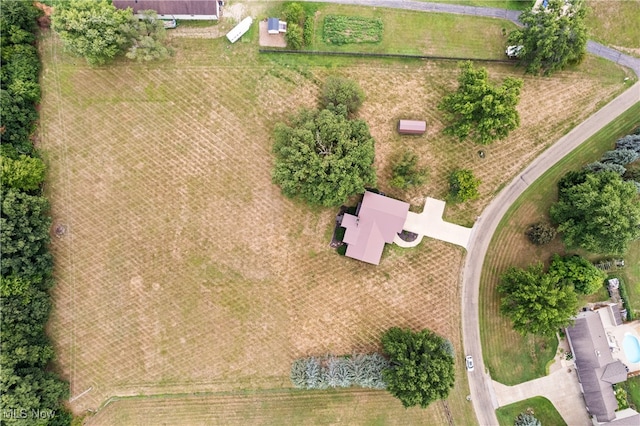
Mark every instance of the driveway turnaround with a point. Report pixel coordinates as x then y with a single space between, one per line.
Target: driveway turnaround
560 387
429 223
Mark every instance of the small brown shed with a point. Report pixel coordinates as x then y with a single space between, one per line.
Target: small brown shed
412 127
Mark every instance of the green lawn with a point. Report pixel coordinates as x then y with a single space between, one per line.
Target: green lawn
631 274
542 408
615 23
509 357
418 33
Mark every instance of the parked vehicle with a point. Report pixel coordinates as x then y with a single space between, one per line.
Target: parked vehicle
513 51
469 362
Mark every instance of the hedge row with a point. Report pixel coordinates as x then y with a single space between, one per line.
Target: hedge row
28 387
364 370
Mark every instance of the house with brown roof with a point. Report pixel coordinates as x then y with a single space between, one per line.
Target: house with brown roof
205 10
377 221
597 369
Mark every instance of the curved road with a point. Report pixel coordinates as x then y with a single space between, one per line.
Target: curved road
480 384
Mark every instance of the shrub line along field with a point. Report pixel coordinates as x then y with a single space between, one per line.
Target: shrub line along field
184 270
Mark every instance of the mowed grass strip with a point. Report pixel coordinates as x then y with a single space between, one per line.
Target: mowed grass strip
541 407
417 33
511 358
352 407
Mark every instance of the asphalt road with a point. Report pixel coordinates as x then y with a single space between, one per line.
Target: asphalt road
482 393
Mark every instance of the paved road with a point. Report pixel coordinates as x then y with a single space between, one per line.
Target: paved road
482 391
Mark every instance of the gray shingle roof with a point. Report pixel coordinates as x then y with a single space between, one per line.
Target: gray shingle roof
597 370
171 7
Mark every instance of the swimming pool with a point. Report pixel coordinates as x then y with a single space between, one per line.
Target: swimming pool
631 347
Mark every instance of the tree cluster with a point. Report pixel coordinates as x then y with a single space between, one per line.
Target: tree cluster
479 110
364 370
98 32
463 185
598 212
536 302
552 37
323 157
26 382
19 70
421 366
405 172
541 303
299 26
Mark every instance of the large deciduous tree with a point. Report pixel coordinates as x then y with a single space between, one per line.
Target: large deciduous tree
147 37
598 212
92 29
421 369
478 109
323 157
536 302
552 37
578 272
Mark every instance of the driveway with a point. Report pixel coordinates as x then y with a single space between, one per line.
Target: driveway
560 387
429 223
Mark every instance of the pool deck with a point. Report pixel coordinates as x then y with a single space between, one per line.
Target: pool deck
616 335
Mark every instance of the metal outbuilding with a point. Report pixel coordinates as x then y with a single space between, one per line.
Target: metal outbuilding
412 127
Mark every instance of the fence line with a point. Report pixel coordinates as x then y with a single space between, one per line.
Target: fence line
383 55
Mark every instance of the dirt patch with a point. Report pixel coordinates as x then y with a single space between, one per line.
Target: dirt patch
270 40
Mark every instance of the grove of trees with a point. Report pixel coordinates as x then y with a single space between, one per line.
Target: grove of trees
598 212
536 302
552 37
323 157
421 366
98 32
479 110
26 381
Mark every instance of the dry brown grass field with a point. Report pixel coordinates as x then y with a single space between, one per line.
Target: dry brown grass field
185 276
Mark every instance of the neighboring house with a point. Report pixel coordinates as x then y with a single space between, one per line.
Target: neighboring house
597 369
276 26
205 10
377 221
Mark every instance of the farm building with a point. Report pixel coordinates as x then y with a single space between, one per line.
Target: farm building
378 220
239 30
412 127
204 10
276 26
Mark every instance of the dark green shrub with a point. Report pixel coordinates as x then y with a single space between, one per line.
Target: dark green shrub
541 233
405 172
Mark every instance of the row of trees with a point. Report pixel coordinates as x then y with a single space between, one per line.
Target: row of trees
299 25
364 370
27 385
417 368
98 32
540 302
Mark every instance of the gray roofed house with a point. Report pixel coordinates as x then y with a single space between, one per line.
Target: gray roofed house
596 367
175 9
378 220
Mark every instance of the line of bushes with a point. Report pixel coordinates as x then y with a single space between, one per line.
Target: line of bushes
364 370
28 387
624 294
